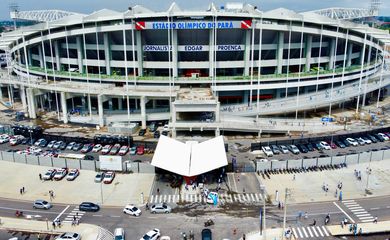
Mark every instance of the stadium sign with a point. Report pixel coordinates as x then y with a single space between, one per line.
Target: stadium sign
245 24
193 48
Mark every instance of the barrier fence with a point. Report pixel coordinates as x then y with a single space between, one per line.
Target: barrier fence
363 157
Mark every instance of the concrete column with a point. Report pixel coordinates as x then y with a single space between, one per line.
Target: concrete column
143 111
280 52
332 46
173 113
362 55
120 103
32 104
57 53
247 54
29 55
40 54
100 110
110 104
80 54
246 96
174 53
217 132
140 54
309 41
218 108
154 103
211 53
83 103
64 107
107 52
349 55
1 92
23 98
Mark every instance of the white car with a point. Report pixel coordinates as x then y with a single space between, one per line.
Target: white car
151 235
119 234
106 149
366 140
60 174
4 138
69 236
97 148
166 128
51 144
73 174
361 141
325 145
384 136
267 151
108 177
283 149
123 150
49 174
352 141
132 210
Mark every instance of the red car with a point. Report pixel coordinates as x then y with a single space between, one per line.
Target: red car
108 177
332 144
140 150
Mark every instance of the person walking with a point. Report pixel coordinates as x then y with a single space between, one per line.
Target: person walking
40 177
21 191
376 219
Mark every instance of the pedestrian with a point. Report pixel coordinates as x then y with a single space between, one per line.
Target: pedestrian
350 228
360 231
336 193
21 191
306 215
279 205
243 190
342 224
40 177
54 225
147 206
376 219
294 177
158 191
243 236
314 222
238 178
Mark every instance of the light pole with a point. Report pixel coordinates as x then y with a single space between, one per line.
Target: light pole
101 190
31 141
368 171
286 193
263 229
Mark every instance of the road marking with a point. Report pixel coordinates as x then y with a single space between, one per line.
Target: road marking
304 231
325 231
350 208
257 198
367 220
234 181
359 211
374 208
300 233
114 216
319 230
63 211
311 234
97 215
345 201
314 230
352 205
295 232
343 212
363 215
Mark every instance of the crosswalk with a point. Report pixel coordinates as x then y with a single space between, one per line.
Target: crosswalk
75 213
310 232
358 211
224 198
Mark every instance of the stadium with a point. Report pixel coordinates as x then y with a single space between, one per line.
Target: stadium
197 69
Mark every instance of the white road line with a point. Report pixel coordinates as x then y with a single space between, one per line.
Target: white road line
304 232
368 220
359 211
253 198
365 218
311 234
387 206
325 231
319 230
352 205
363 215
234 181
300 233
97 215
351 208
257 198
343 212
314 230
59 215
295 232
114 216
374 208
345 201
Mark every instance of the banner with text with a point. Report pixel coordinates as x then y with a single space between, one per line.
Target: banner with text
192 48
244 24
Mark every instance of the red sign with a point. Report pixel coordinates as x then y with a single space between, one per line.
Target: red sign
139 25
245 24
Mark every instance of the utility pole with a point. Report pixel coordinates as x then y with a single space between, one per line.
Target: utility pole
263 227
285 211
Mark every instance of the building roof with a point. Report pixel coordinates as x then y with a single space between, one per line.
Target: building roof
190 158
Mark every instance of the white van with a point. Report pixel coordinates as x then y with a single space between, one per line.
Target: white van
119 234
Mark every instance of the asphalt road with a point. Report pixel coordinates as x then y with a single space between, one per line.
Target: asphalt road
242 217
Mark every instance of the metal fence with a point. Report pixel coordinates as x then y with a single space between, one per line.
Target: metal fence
363 157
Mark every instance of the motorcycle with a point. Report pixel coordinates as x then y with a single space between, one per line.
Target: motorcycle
208 223
19 214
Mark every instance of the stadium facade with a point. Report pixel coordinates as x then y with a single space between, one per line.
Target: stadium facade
140 65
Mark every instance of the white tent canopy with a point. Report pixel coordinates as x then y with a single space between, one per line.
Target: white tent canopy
190 158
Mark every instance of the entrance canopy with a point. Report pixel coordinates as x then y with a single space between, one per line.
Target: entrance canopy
190 158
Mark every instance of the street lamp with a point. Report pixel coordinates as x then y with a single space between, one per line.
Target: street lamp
368 171
287 192
31 141
101 191
262 214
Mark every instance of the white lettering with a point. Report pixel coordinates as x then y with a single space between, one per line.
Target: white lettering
229 48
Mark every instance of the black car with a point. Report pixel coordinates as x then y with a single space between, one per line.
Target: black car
77 147
142 132
153 127
340 144
310 147
89 207
165 133
346 143
379 137
302 148
206 234
372 138
156 134
25 141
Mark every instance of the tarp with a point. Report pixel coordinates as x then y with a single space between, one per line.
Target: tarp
190 158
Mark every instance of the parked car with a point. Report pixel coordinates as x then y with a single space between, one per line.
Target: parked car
366 140
99 177
206 234
16 140
132 210
302 148
325 145
340 144
87 148
62 145
70 146
133 151
89 207
293 149
267 151
4 138
346 143
165 133
384 136
283 149
372 138
57 144
69 236
153 127
41 204
156 134
41 143
49 174
51 144
97 148
310 147
140 150
60 174
380 137
77 147
332 144
119 234
166 128
141 132
73 174
106 149
352 142
115 149
160 208
275 149
151 235
123 150
108 177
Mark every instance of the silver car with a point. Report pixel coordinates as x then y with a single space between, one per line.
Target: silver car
41 204
160 208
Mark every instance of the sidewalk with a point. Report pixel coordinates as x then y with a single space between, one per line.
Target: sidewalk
274 233
87 231
367 228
